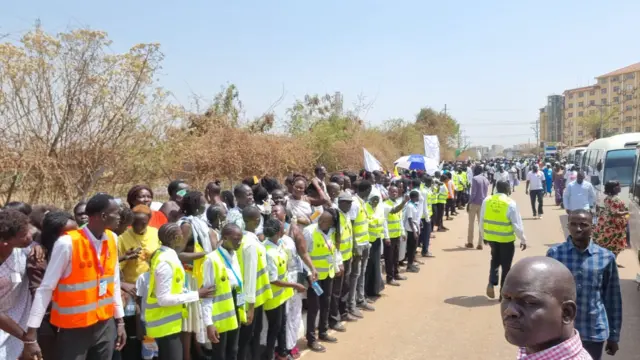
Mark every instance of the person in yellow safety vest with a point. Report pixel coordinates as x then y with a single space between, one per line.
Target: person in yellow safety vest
373 274
427 225
393 231
459 185
501 223
220 313
433 200
340 291
282 288
167 298
256 287
360 224
442 202
327 259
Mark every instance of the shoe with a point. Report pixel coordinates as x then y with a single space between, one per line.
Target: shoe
393 283
356 313
540 217
328 338
348 318
419 262
295 353
491 294
400 278
479 247
370 300
402 263
413 269
316 347
468 246
428 255
366 307
441 230
445 228
338 327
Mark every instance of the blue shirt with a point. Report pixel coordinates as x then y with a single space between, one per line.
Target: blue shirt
599 300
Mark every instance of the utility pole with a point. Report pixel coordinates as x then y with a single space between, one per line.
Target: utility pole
536 130
445 109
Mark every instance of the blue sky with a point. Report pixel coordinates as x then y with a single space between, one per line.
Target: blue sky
492 62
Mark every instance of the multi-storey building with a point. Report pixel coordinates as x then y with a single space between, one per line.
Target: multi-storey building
579 104
555 119
543 121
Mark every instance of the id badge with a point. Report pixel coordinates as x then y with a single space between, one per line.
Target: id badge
16 278
239 299
103 288
330 259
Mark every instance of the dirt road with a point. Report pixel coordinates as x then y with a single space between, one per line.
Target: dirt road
442 313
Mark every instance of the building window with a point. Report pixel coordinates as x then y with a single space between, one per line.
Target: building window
627 129
629 108
603 91
570 105
602 81
628 97
616 89
570 115
592 92
629 87
615 78
580 133
616 130
581 94
581 104
629 76
570 96
615 119
592 102
627 118
616 99
580 113
604 101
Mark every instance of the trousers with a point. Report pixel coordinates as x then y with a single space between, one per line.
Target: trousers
318 304
95 342
536 195
356 280
501 258
392 258
474 216
340 294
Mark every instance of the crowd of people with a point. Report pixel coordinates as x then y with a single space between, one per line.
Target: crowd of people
215 274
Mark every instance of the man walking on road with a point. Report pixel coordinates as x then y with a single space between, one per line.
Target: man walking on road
579 194
535 189
544 331
500 222
599 299
479 191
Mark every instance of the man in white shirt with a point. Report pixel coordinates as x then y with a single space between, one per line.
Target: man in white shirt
535 188
579 194
500 175
98 338
393 205
411 222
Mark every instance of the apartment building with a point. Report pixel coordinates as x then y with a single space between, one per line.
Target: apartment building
579 104
555 119
543 121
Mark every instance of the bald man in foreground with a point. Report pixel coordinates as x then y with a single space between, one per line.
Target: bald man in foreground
538 309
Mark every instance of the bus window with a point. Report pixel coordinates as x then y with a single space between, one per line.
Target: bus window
619 165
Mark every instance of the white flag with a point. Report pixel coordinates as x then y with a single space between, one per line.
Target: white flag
370 162
432 147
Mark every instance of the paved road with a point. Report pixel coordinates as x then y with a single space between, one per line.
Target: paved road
442 313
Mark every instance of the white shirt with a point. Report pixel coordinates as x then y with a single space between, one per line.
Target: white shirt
411 211
387 209
142 289
579 196
15 299
210 280
250 244
59 268
512 214
164 281
501 176
272 266
535 180
308 237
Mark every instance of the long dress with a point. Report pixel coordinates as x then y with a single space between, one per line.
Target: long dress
548 179
558 185
611 230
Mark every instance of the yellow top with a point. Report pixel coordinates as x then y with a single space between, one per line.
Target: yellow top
149 243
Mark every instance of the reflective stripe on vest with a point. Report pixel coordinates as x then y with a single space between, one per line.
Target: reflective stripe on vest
163 321
76 301
321 255
394 227
376 230
346 241
223 312
263 286
442 194
280 295
496 225
361 225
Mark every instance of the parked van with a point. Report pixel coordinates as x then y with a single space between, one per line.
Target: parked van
574 156
611 158
634 211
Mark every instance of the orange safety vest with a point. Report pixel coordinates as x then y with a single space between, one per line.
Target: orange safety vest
77 302
450 191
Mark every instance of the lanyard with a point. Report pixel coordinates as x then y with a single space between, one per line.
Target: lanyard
328 243
94 252
231 267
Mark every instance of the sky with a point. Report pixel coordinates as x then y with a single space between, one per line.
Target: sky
492 63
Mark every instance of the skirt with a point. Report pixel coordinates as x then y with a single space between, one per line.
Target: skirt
373 283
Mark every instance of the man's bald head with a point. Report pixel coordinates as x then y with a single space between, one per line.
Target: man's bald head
538 303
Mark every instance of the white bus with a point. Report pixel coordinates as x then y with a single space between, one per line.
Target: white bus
634 211
574 156
611 158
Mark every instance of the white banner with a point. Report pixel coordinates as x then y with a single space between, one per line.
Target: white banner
432 147
370 162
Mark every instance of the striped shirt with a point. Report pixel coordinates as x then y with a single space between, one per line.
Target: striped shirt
599 300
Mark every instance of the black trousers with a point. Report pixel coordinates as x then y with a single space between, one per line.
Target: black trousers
593 348
170 347
133 348
249 337
339 295
95 342
501 257
277 331
459 198
450 207
318 304
227 348
440 207
412 244
434 214
391 258
536 194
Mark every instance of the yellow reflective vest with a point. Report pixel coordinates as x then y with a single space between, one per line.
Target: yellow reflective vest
163 321
263 286
321 253
394 226
361 224
376 220
346 237
278 254
496 225
224 309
